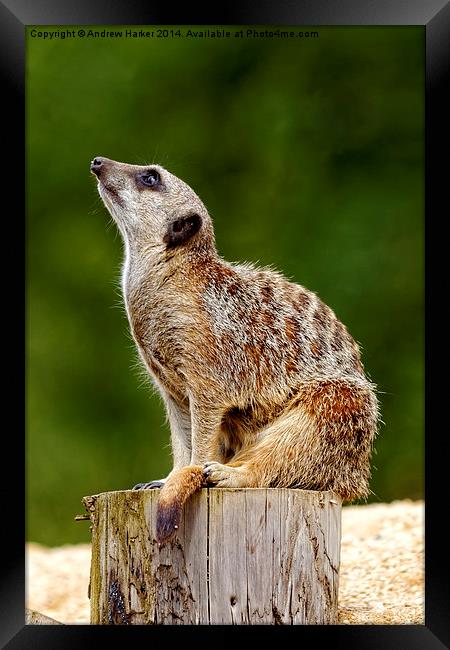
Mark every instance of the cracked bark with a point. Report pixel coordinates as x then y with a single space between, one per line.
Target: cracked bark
246 556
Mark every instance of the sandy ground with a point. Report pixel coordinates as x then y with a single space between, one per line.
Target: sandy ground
381 575
382 564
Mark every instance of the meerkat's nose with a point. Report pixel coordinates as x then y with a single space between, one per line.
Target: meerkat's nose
96 165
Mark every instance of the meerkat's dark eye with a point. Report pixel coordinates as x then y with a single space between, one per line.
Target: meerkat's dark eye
151 178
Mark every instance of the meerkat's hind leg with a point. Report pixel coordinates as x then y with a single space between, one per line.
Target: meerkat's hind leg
322 442
277 457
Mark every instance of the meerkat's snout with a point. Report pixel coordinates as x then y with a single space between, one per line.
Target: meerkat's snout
111 177
101 165
96 165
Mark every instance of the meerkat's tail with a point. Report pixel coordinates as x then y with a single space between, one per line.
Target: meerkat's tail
175 492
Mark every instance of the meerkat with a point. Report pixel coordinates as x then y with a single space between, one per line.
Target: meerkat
262 384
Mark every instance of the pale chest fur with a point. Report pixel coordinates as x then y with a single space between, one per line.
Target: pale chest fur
155 328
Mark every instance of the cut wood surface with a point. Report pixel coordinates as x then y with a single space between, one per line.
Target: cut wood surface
381 577
244 556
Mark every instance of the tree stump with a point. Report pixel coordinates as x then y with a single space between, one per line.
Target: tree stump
240 556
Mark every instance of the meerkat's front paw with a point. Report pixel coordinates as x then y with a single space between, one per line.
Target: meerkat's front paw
224 475
150 486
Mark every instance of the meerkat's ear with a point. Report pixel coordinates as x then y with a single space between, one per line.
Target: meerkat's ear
182 229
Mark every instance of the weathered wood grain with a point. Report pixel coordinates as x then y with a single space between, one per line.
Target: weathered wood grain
246 556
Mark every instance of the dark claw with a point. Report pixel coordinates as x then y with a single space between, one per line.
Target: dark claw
207 475
148 486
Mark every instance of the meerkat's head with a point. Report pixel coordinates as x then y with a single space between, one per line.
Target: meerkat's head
151 206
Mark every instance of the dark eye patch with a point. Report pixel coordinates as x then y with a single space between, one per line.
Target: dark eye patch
182 229
179 224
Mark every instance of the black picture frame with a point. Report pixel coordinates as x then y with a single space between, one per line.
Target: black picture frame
434 16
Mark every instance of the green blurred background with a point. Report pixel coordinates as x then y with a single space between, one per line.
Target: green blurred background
308 154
